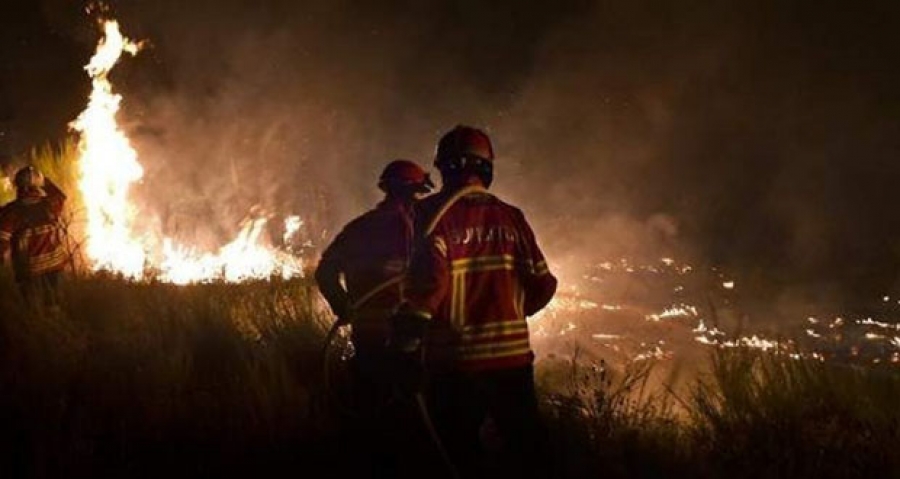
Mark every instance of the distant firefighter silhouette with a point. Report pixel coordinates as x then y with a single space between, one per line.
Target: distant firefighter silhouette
33 235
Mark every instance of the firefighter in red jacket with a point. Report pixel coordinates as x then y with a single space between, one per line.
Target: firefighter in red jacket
32 232
477 273
371 255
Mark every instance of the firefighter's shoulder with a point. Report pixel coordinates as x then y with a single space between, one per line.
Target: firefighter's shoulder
510 208
374 218
430 204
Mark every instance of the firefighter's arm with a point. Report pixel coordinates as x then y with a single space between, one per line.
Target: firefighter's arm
426 286
328 278
538 281
55 196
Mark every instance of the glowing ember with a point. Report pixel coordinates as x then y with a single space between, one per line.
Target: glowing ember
604 337
109 167
656 352
704 330
871 322
752 342
677 311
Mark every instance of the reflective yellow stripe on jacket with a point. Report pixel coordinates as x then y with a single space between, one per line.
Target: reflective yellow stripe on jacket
491 340
48 261
494 340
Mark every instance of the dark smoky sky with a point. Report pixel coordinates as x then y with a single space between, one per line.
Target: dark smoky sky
761 136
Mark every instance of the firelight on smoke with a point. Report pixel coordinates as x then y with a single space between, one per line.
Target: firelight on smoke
109 168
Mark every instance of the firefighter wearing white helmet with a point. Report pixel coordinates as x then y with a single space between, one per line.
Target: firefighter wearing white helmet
31 231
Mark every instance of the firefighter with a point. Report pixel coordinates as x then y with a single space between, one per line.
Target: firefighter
476 274
370 255
32 231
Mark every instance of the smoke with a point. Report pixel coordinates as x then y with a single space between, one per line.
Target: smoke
759 138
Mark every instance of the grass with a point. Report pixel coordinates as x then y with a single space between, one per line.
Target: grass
143 380
137 380
798 418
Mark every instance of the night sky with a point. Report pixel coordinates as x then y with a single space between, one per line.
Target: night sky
762 136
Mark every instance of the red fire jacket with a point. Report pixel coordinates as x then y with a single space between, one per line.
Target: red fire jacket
371 253
31 229
477 273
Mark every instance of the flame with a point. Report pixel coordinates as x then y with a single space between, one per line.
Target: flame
109 168
242 259
108 165
292 225
675 311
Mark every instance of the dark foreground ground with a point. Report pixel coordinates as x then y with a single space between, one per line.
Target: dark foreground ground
153 380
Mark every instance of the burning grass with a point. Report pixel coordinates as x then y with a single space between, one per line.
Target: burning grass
148 379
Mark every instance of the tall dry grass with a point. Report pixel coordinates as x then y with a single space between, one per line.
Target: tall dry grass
148 379
137 380
770 416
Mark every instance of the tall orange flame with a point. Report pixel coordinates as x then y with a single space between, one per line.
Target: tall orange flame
109 167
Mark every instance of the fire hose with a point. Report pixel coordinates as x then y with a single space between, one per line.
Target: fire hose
418 396
332 332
